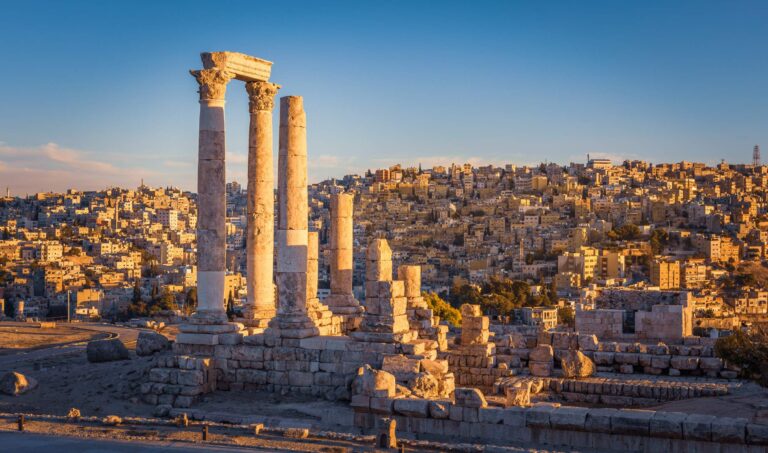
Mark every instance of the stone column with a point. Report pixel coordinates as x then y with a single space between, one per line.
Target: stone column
411 276
260 235
211 196
313 253
341 300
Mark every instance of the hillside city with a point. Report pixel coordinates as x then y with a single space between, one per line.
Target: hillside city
530 245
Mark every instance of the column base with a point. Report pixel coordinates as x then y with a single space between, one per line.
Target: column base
318 320
257 320
348 309
209 328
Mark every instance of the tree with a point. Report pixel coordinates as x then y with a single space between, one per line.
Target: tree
659 240
566 315
190 301
231 305
136 293
747 351
442 309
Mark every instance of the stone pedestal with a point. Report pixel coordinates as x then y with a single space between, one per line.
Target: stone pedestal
260 234
342 300
420 316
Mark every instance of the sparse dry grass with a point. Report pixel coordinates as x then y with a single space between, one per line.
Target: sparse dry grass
14 337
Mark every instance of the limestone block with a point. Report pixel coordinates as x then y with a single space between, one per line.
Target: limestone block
468 310
729 430
541 353
667 424
632 422
630 358
383 405
435 367
517 395
757 434
711 363
197 339
599 420
400 364
538 416
378 250
439 409
698 427
568 418
660 361
540 369
575 364
603 358
412 407
411 276
626 368
684 362
469 397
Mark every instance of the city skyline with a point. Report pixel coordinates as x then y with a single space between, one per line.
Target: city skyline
509 83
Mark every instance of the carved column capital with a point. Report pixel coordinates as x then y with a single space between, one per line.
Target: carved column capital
213 83
261 96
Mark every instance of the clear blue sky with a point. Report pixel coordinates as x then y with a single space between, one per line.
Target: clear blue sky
97 93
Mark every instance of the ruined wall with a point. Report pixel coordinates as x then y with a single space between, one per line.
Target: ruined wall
604 323
549 425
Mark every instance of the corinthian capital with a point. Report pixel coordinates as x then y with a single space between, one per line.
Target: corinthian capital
261 95
213 83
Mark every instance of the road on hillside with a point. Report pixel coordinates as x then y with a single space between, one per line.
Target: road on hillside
34 443
126 334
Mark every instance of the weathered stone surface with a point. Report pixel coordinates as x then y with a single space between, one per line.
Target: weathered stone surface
667 424
568 418
374 383
469 397
149 343
541 353
517 395
439 409
599 420
14 383
540 369
729 430
631 421
576 365
412 407
424 385
588 342
698 427
107 350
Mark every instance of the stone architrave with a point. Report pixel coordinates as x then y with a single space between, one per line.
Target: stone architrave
211 193
260 233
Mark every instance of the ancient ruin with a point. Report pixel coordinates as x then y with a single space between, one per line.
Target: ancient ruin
390 356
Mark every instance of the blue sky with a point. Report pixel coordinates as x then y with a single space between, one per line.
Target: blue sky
97 93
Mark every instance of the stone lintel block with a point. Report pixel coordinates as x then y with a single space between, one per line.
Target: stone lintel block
667 424
631 421
244 67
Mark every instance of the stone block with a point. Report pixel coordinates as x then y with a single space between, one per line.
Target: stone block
412 407
599 420
382 405
587 342
538 416
603 358
757 434
540 369
729 430
439 409
469 397
698 427
686 363
197 339
515 417
568 418
632 422
400 365
541 353
491 415
469 310
667 424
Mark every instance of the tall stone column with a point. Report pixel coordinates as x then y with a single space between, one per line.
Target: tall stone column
260 235
342 301
211 196
299 313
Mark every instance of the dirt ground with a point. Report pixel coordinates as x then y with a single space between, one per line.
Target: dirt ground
16 337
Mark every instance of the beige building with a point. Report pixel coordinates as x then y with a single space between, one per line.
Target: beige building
665 273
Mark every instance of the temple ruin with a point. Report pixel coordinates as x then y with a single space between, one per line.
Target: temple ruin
390 356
